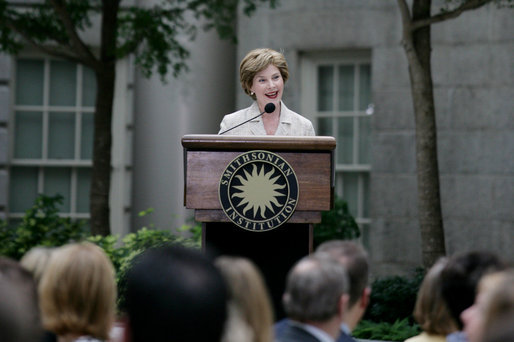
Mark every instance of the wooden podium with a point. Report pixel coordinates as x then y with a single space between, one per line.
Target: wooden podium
274 251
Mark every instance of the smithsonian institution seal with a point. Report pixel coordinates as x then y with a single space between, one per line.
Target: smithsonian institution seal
258 190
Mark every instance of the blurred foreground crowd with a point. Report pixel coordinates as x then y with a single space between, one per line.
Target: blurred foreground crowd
68 294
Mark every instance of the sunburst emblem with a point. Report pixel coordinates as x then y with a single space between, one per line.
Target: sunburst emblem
258 190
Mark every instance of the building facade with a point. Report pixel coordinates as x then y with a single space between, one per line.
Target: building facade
348 75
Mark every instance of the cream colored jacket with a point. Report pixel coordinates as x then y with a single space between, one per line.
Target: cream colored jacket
291 123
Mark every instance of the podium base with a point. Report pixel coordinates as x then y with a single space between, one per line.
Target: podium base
274 252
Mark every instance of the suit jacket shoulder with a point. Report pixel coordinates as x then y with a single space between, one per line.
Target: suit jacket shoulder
292 333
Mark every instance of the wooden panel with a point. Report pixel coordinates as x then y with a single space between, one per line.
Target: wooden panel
219 216
204 170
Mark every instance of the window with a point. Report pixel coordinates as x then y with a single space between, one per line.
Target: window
336 95
52 135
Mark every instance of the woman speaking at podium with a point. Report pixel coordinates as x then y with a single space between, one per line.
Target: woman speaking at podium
263 73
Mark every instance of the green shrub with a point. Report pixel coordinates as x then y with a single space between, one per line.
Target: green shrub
41 226
393 298
336 223
400 330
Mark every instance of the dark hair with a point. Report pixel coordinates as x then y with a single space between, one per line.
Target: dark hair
175 294
19 312
355 260
460 278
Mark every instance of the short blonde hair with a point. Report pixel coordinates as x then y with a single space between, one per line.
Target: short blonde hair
77 293
258 60
249 293
36 260
430 310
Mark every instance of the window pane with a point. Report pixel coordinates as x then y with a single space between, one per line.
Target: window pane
325 126
325 88
61 135
350 192
88 87
346 87
364 139
57 181
345 141
29 82
86 139
28 134
63 76
364 87
83 182
23 188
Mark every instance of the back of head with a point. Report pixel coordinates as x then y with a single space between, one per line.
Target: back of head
355 260
431 311
314 287
19 313
460 278
78 291
175 294
36 260
249 293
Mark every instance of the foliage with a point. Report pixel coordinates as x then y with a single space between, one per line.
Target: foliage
154 33
194 229
393 298
41 226
400 330
337 223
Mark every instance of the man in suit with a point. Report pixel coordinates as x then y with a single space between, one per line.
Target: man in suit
315 300
355 259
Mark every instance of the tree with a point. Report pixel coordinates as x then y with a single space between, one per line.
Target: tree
416 22
150 33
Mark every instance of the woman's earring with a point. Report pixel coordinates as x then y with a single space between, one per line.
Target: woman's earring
252 93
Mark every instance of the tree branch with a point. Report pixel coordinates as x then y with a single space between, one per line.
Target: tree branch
465 6
55 51
77 44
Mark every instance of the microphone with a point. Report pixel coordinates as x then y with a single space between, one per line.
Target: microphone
268 108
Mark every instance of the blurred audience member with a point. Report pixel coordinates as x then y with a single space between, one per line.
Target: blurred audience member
19 318
493 308
355 260
315 300
175 294
250 313
77 293
36 260
460 278
430 310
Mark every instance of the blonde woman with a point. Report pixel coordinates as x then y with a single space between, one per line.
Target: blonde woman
36 260
77 293
263 74
250 317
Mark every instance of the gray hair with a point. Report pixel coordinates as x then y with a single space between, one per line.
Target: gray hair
314 286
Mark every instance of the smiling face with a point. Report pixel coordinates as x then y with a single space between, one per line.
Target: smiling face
268 86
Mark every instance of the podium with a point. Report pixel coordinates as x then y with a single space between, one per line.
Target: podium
274 243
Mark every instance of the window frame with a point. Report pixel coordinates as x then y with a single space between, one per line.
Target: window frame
44 162
310 61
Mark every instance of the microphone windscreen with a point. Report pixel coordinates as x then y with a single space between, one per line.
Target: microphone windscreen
269 108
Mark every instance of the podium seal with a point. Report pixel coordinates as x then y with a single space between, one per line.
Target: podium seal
258 191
